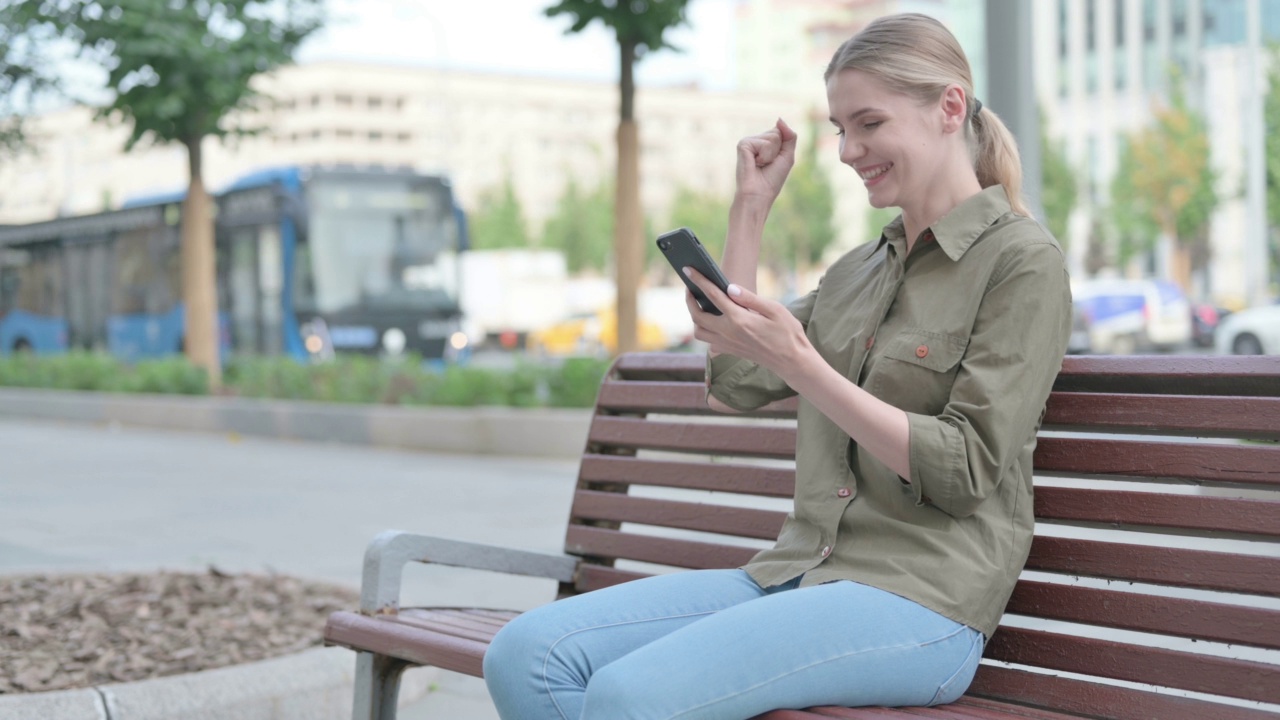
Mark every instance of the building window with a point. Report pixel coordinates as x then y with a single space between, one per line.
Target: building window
1149 11
1064 31
403 137
1119 23
1179 18
343 100
1090 25
375 102
375 135
315 101
344 134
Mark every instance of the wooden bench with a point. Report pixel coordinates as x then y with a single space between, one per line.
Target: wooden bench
1152 589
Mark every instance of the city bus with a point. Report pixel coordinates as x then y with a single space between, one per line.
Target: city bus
310 261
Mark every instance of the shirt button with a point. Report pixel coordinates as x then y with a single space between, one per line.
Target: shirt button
843 492
922 351
826 550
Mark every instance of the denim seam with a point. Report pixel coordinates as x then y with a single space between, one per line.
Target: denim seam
793 671
973 645
547 659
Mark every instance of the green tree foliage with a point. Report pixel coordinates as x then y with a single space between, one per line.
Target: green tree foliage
877 218
582 227
498 221
180 72
640 26
706 214
1165 183
801 225
24 76
1060 186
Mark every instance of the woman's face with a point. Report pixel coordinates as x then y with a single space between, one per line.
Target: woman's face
892 142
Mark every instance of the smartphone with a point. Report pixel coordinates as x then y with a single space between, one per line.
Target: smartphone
682 249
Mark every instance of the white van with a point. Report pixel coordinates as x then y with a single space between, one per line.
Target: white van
1124 316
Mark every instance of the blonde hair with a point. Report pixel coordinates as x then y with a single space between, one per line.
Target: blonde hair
916 55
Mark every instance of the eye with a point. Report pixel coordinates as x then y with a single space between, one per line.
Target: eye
840 131
872 125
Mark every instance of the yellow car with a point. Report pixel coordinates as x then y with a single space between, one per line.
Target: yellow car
591 334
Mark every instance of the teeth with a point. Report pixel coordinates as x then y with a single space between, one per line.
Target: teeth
871 174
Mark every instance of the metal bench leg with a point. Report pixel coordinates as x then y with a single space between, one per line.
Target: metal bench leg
377 688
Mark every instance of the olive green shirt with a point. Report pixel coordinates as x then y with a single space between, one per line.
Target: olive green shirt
966 335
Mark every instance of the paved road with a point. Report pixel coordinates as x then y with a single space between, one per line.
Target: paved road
82 498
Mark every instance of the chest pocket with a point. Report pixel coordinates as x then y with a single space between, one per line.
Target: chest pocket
916 370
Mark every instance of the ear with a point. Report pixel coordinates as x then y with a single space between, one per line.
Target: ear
955 108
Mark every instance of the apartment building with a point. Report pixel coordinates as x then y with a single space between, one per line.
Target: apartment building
476 128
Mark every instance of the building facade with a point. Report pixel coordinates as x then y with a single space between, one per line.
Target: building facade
475 128
1103 66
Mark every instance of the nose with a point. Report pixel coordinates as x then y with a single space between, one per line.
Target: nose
850 150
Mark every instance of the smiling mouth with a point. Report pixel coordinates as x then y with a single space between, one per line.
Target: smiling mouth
875 172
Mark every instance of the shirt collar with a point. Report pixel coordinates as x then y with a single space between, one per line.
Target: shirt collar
956 231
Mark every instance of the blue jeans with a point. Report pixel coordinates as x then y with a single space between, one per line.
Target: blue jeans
714 644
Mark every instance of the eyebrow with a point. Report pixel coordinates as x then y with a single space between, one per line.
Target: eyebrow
855 115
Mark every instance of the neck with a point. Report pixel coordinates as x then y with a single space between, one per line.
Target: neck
941 197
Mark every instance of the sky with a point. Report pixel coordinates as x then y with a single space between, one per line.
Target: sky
500 36
513 36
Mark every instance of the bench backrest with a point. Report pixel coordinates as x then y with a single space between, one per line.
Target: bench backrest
1153 584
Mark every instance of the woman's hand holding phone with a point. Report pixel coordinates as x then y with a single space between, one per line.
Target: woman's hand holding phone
750 327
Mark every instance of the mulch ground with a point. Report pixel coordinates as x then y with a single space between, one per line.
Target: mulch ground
73 631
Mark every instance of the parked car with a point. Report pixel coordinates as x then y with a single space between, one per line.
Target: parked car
1125 316
1255 331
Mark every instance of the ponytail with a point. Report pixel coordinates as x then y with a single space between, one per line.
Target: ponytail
995 157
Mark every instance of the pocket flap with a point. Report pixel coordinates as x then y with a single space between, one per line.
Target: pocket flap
934 350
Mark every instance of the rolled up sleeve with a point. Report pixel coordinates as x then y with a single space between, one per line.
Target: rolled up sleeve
1015 351
745 386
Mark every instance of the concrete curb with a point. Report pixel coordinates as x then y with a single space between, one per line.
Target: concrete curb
315 684
542 432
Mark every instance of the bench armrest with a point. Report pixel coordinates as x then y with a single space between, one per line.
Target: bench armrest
390 551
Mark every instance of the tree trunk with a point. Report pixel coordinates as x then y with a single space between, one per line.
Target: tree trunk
628 247
199 291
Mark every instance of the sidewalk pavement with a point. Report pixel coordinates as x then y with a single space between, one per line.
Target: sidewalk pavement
110 498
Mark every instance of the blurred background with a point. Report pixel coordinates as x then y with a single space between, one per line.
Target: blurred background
439 181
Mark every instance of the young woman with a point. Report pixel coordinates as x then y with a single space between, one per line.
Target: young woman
922 362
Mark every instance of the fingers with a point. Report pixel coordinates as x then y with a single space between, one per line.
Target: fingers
787 138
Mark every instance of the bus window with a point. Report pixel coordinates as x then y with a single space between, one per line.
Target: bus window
133 273
11 265
381 244
87 294
40 283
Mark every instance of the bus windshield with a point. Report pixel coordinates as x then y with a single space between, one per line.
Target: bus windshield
384 243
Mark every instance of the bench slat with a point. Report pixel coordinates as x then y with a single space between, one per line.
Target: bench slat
711 439
617 507
593 577
1240 417
1240 464
1218 622
1155 374
1257 376
1230 516
403 641
1228 677
720 477
1229 572
1097 700
675 398
692 554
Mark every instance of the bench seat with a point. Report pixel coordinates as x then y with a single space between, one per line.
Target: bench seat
1152 589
